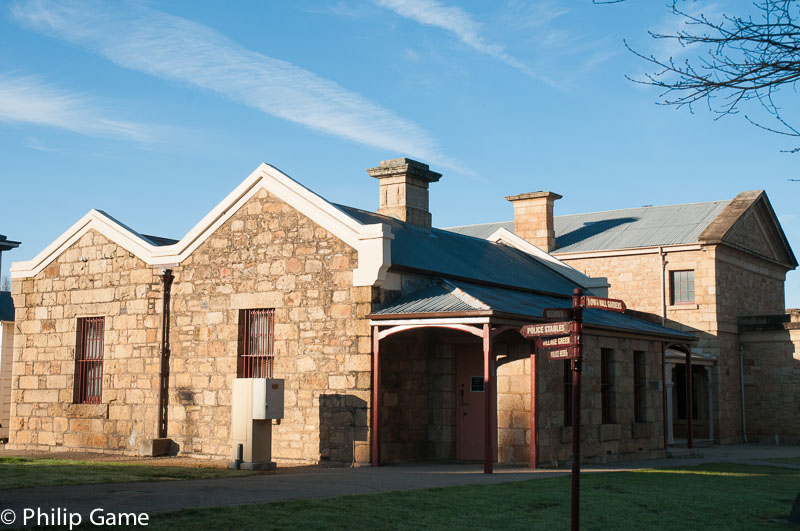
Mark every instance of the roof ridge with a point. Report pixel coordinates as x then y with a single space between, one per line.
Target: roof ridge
650 206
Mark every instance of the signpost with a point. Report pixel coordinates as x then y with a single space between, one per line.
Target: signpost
546 329
557 314
564 341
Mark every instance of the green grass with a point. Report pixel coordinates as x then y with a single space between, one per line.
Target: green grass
790 460
19 472
713 496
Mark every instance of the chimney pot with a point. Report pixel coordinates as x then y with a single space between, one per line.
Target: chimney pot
404 190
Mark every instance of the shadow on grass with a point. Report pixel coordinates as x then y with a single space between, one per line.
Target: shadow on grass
19 472
713 497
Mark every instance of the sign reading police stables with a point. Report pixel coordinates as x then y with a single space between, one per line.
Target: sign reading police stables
546 329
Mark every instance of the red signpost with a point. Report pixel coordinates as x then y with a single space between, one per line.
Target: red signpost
567 345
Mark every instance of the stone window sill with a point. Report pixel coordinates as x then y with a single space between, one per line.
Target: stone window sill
687 306
86 411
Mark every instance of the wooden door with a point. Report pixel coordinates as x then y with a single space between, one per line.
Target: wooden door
470 397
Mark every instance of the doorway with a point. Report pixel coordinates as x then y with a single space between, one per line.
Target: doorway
471 401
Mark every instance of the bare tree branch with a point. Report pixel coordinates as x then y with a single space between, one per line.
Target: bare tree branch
743 59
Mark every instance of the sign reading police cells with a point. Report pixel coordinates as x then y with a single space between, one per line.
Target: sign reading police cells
615 305
563 354
546 329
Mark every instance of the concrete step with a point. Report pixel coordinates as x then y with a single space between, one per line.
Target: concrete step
674 452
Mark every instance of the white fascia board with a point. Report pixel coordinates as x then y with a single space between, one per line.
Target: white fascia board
629 252
372 242
507 237
93 220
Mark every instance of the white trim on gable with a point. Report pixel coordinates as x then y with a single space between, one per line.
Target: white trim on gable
598 285
372 242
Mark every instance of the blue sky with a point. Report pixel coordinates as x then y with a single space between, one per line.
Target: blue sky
154 111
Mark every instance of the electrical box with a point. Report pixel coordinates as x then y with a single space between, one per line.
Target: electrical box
255 402
267 398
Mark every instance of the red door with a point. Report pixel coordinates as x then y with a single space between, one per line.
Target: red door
471 404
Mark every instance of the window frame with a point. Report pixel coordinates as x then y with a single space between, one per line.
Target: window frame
607 386
256 334
682 290
567 394
639 386
89 355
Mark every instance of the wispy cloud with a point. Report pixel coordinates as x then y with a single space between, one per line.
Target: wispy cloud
458 22
28 99
143 39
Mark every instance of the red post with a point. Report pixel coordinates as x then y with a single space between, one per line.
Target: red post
534 405
689 406
577 310
376 398
664 389
487 396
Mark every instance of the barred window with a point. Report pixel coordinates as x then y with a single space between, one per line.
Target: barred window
682 287
89 360
639 377
607 385
255 357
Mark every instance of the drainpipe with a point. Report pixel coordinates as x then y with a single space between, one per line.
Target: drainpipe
741 387
663 287
163 377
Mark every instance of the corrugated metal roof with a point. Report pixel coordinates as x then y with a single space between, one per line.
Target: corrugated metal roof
6 306
446 296
621 229
452 255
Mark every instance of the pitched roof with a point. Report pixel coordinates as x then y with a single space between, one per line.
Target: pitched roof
443 297
621 229
454 255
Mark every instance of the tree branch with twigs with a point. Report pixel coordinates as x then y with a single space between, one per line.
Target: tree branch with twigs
745 58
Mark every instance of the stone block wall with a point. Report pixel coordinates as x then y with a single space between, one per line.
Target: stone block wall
625 439
92 278
514 403
771 358
268 255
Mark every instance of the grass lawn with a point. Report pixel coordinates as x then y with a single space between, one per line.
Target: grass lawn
16 472
714 497
790 460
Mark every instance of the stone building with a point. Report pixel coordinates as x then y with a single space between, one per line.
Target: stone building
396 340
701 268
6 344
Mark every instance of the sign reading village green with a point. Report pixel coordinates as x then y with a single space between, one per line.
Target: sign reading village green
615 305
546 329
572 340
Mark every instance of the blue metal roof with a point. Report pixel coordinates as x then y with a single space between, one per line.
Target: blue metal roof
446 296
454 255
620 229
6 306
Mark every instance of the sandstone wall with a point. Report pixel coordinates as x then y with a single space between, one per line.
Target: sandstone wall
771 358
266 255
270 256
94 277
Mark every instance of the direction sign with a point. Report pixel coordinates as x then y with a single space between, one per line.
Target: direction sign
546 329
572 340
557 314
563 354
615 305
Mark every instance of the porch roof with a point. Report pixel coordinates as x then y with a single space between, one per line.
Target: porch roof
448 298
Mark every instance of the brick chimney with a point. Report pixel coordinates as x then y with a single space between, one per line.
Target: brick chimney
404 190
533 218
